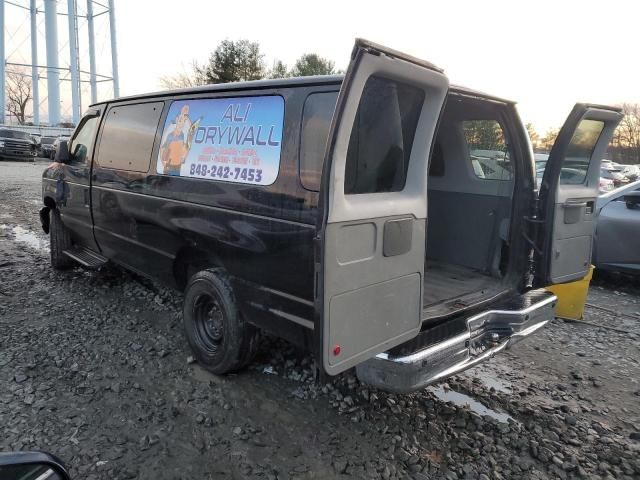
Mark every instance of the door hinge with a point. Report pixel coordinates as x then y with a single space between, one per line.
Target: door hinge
531 233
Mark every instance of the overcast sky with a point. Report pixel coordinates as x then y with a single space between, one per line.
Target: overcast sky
544 54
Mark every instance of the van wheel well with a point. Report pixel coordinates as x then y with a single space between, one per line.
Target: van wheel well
189 261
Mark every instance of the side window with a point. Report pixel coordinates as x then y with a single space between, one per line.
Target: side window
127 136
81 144
316 121
576 162
382 137
487 147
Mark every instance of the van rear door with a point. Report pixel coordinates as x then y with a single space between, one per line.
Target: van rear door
370 248
569 191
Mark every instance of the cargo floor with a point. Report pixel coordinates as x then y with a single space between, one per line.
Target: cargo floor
444 281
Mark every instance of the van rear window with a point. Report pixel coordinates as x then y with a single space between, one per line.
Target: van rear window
227 139
382 137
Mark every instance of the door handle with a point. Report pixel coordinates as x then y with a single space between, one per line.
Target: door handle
574 204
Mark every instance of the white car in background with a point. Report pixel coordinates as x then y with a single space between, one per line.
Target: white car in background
632 172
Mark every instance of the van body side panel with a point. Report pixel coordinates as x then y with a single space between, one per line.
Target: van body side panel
169 227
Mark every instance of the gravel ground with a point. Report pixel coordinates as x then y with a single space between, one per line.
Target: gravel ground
95 369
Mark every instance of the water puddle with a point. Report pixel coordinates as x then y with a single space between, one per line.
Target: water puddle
490 380
461 400
27 237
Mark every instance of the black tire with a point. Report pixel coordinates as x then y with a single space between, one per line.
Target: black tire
221 340
59 241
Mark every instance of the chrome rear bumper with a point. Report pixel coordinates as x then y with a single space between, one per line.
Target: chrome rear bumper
487 333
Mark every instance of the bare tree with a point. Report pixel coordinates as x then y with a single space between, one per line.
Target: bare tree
626 139
18 93
184 78
546 142
533 135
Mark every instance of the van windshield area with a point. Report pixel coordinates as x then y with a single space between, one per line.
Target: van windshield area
4 133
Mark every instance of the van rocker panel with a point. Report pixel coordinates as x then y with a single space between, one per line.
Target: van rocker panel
487 333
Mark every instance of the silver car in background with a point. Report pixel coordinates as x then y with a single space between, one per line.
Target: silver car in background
616 245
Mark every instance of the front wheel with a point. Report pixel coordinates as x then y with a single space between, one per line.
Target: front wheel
59 241
221 340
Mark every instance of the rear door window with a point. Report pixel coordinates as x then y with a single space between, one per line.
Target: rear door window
382 136
316 121
575 164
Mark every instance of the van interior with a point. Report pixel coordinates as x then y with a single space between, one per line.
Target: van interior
470 192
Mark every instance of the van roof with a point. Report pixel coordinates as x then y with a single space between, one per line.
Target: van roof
276 82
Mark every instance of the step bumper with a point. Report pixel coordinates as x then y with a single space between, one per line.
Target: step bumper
487 334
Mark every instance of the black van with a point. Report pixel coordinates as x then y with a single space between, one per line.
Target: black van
384 220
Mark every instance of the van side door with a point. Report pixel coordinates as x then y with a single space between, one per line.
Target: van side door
125 224
370 249
72 189
568 194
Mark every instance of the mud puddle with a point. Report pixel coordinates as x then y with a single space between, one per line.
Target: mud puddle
26 237
462 400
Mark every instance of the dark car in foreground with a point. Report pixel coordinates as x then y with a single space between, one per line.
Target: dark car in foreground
616 245
15 144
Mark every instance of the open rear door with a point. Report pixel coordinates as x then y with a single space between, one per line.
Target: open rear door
373 205
569 191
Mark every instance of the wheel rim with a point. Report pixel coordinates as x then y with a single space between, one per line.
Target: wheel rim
209 323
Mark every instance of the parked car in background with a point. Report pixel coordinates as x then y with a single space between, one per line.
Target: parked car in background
17 145
606 185
491 164
610 164
56 142
632 172
540 159
47 149
616 243
614 175
574 175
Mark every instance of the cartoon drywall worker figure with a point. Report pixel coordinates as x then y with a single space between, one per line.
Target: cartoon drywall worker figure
175 146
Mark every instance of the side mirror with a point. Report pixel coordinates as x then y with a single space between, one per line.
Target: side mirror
62 152
632 199
31 466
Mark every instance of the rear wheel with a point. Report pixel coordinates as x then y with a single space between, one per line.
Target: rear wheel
59 241
221 340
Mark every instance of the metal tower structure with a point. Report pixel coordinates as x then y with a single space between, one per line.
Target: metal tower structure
52 70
